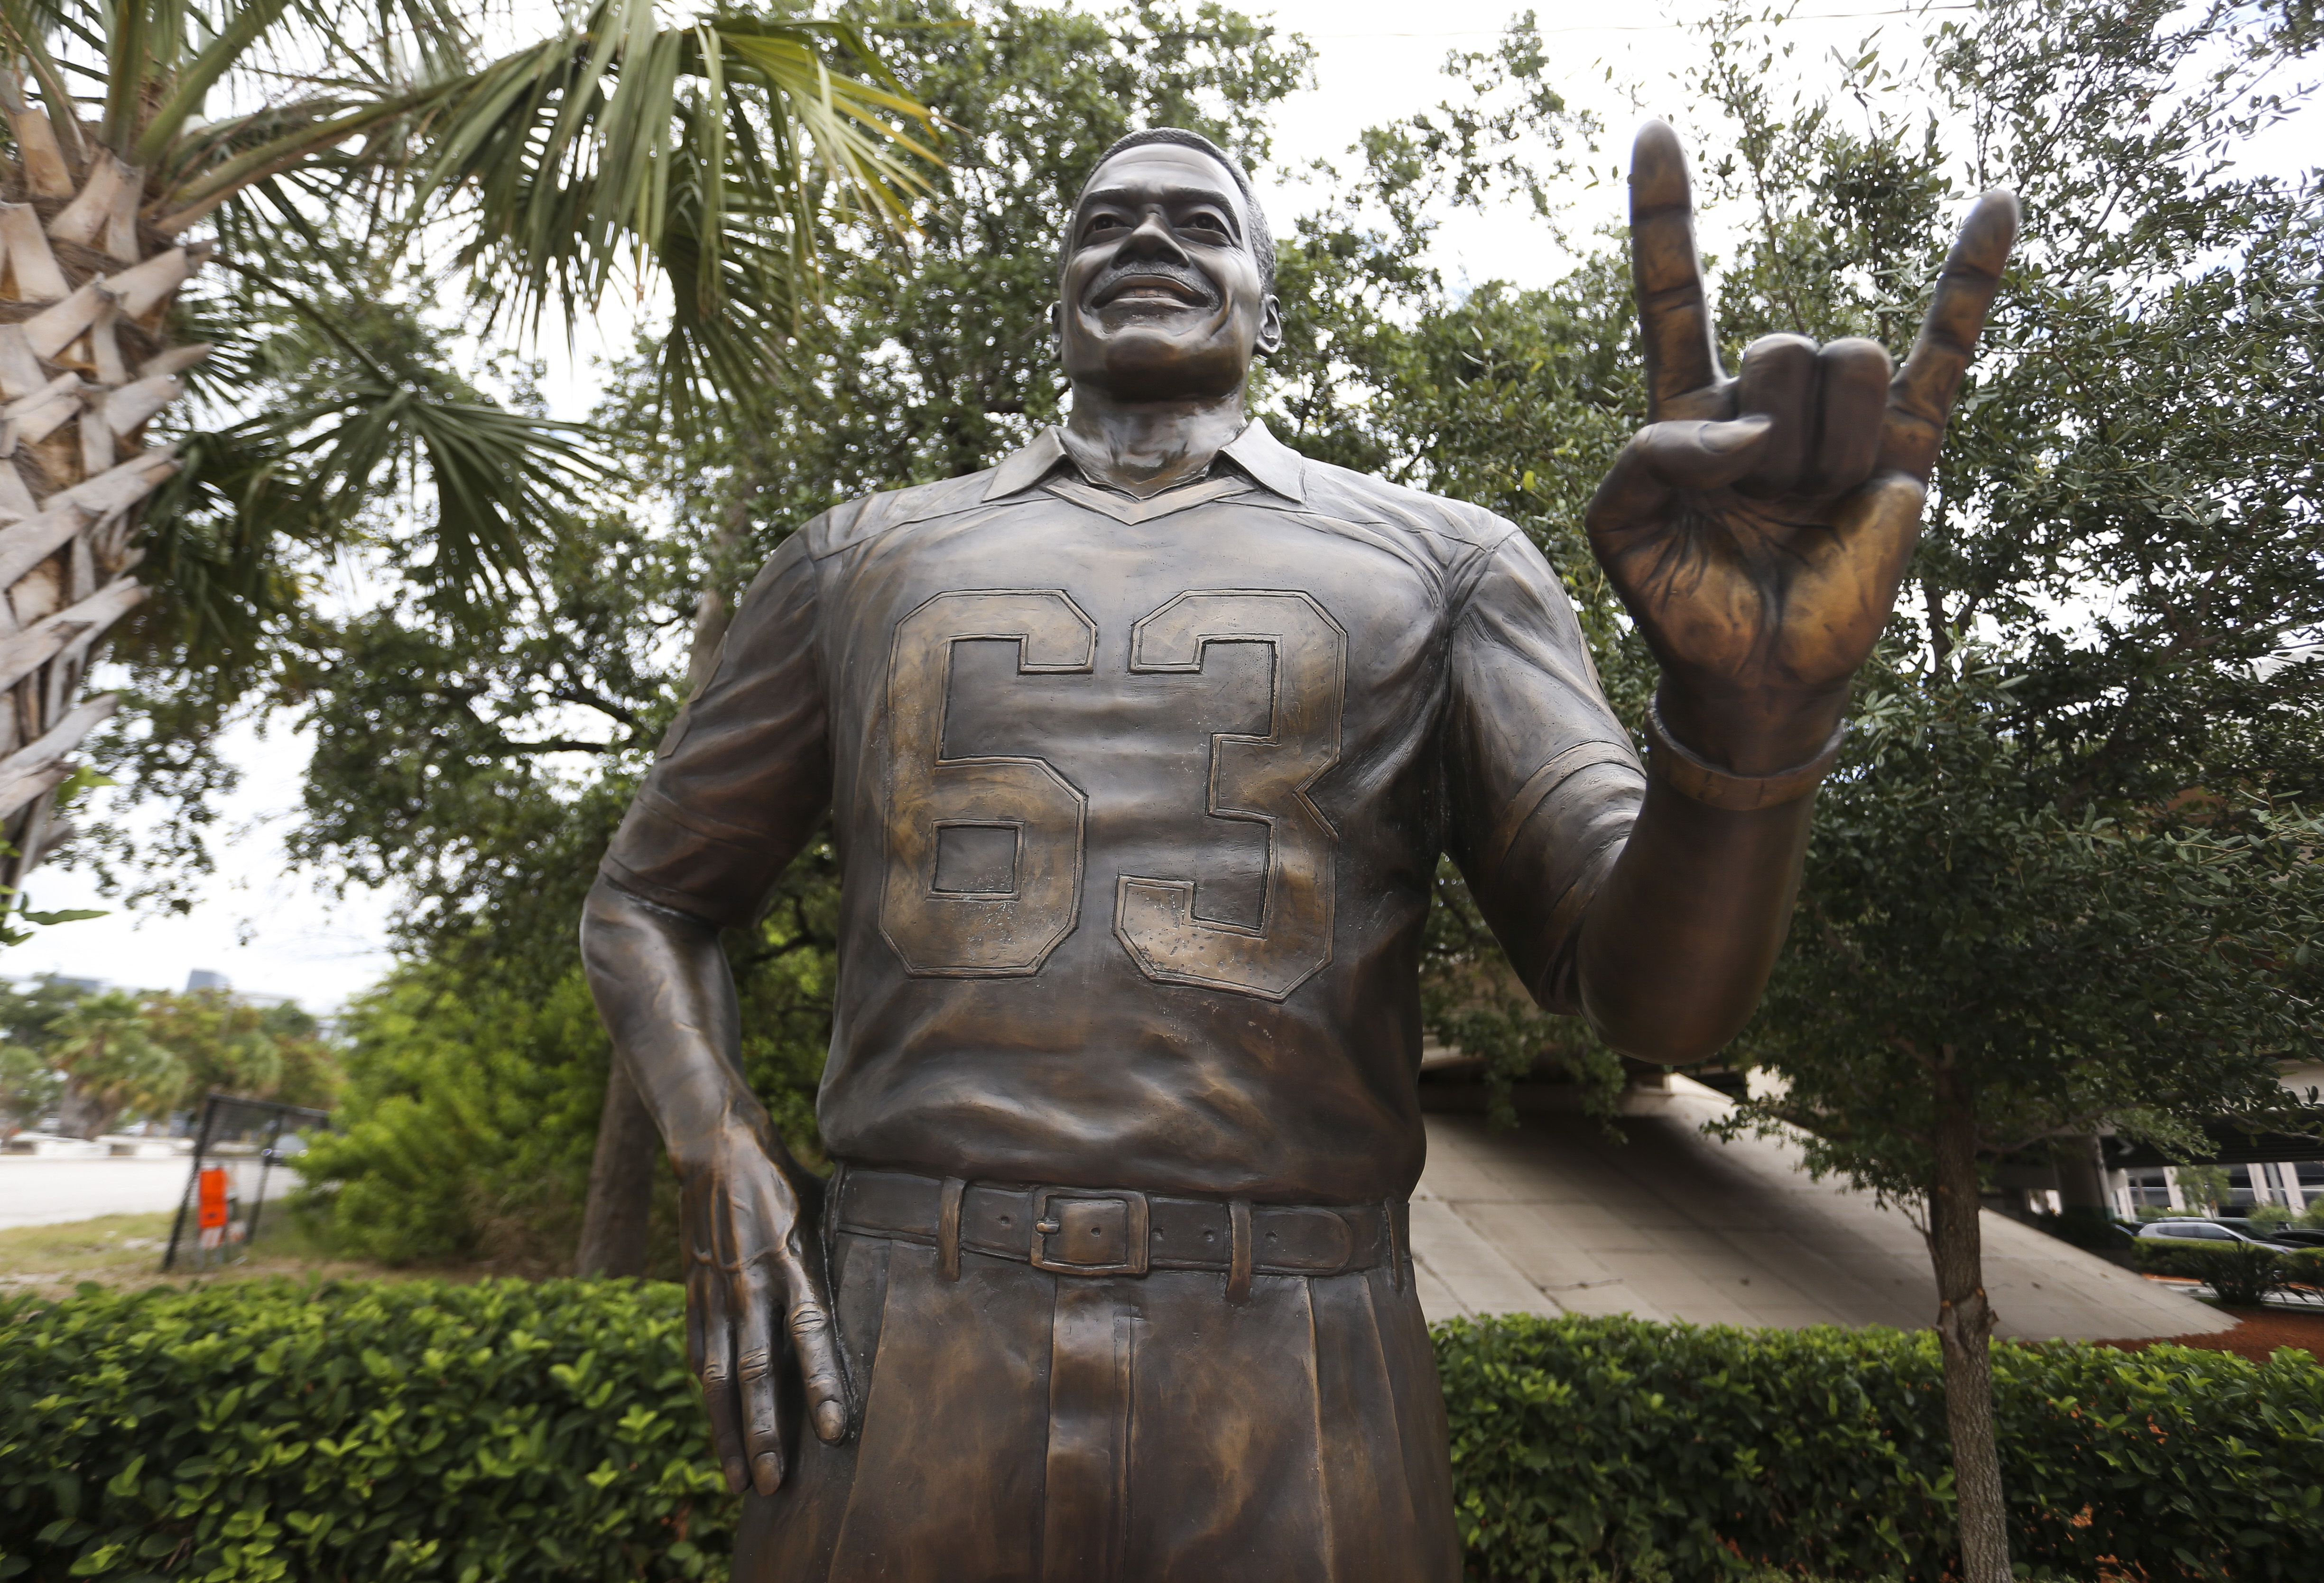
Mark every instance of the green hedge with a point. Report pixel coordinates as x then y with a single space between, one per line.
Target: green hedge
504 1432
493 1433
1576 1441
2238 1272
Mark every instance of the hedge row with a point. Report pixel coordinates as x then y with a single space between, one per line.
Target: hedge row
503 1433
2239 1272
493 1433
1574 1441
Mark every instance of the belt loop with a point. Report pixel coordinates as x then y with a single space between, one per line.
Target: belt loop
948 1228
1239 1264
1395 1248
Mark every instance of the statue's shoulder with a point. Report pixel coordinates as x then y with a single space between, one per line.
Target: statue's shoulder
1453 529
868 516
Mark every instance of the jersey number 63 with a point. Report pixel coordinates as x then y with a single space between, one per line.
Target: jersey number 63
1263 780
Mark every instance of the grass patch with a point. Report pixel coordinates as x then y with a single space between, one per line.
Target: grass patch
124 1251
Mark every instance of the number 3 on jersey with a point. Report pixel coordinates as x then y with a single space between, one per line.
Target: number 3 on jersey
1263 780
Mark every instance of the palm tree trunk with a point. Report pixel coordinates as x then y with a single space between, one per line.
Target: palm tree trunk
85 364
622 1171
84 1115
1964 1333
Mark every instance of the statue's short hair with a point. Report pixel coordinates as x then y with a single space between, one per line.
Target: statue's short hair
1254 219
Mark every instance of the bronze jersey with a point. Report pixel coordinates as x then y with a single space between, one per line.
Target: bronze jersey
1137 806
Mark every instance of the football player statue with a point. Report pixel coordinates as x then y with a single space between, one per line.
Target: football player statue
1139 751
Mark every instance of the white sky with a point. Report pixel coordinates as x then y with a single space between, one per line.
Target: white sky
273 930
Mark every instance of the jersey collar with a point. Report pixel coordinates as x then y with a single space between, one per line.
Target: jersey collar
1271 464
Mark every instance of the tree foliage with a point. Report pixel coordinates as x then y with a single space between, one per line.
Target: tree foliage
100 1057
378 186
2069 866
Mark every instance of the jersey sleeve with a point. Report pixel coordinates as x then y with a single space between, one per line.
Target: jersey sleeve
745 775
1545 782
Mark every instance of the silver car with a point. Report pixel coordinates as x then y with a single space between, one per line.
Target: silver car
2203 1231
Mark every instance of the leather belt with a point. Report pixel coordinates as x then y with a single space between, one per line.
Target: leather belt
1089 1231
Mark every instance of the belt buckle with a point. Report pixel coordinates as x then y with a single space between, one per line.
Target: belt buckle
1082 1220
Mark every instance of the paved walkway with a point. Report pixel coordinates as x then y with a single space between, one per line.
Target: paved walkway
1555 1218
35 1191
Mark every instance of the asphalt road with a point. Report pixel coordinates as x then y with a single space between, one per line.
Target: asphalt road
34 1191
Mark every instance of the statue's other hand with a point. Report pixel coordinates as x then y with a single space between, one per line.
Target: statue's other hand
757 1322
1758 526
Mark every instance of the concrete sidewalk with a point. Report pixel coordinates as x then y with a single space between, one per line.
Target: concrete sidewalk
36 1190
1554 1218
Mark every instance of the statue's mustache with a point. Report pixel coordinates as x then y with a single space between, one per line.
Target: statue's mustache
1197 284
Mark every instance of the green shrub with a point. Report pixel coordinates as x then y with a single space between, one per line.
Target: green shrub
504 1432
493 1433
467 1125
2239 1274
1578 1442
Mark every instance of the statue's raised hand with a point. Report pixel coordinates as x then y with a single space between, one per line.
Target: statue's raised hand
1758 526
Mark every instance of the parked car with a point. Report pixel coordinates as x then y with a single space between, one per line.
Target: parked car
2297 1236
2205 1231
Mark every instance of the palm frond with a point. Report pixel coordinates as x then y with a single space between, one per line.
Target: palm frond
698 156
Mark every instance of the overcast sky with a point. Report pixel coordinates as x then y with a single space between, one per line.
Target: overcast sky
273 930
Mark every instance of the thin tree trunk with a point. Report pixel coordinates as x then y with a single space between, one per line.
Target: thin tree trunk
621 1172
615 1224
1964 1332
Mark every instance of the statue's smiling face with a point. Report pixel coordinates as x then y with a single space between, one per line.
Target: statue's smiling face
1162 297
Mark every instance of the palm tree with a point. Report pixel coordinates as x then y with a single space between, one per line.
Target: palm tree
111 1062
695 161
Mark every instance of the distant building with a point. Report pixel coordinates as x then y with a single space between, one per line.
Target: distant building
202 979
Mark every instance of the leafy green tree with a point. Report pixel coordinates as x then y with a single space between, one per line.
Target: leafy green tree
30 1083
105 1050
464 1121
318 145
228 1045
109 1052
29 1086
2065 881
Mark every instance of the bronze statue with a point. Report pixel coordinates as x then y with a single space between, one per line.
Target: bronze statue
1140 749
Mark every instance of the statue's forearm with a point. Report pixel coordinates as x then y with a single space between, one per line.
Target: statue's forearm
666 997
1677 944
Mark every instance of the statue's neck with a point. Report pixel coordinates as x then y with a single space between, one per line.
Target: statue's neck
1143 448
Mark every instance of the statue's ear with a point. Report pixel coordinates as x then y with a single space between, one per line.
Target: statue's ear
1270 326
1057 332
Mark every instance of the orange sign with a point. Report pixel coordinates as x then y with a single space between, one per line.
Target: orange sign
212 1191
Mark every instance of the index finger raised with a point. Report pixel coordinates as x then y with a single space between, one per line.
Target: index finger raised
1920 397
1673 314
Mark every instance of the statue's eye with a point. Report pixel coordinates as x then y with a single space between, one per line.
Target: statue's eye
1206 222
1097 223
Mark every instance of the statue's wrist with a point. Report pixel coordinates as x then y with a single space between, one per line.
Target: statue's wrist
1752 763
719 1148
1750 731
